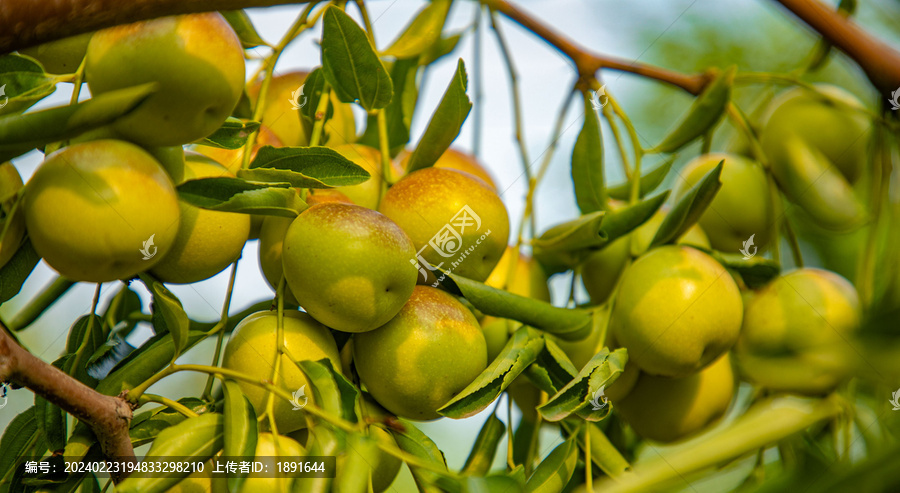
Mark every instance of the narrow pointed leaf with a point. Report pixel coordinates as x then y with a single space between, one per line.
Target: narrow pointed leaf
304 167
399 112
232 134
144 362
565 323
422 32
587 163
356 469
689 208
582 396
23 82
756 272
236 195
331 391
650 181
20 133
16 270
703 114
552 369
485 447
445 123
194 439
519 352
243 27
554 472
169 306
350 64
411 440
566 245
240 429
17 437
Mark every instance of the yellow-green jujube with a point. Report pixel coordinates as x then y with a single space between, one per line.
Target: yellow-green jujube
602 269
348 266
207 241
12 216
839 130
455 159
455 221
797 332
669 409
677 310
424 356
742 207
196 59
367 193
62 56
283 119
251 350
101 210
269 450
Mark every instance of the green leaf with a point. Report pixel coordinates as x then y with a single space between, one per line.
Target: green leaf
485 447
340 399
350 64
583 395
411 440
240 429
445 123
19 267
76 334
51 419
689 208
243 27
756 271
17 437
304 167
144 362
422 32
23 82
169 306
650 181
194 439
554 472
440 49
313 88
519 352
567 245
145 427
587 163
703 114
399 113
566 323
21 133
232 134
552 369
236 195
357 468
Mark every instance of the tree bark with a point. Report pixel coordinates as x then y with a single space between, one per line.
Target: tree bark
25 23
880 62
109 417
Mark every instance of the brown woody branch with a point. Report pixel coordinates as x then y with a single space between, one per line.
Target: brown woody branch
880 62
587 63
109 417
25 23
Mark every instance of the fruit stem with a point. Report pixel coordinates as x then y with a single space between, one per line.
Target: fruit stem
588 475
207 391
635 143
79 353
792 242
321 109
603 452
30 312
145 398
510 445
385 152
620 144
